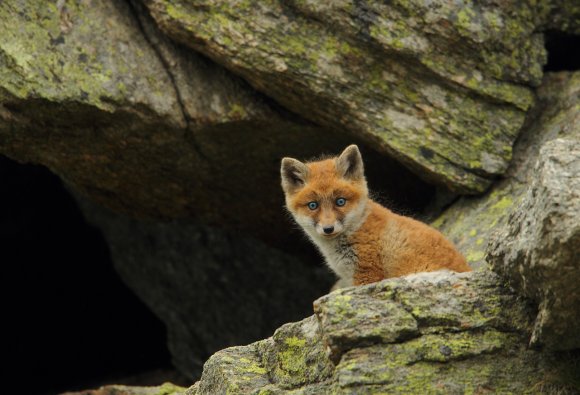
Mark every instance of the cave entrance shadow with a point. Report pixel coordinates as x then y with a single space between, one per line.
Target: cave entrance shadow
69 321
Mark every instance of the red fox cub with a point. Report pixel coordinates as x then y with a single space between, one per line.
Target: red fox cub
361 240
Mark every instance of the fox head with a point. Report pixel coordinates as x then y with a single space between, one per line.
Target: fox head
327 197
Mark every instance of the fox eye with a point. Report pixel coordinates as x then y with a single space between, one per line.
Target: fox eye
340 202
313 205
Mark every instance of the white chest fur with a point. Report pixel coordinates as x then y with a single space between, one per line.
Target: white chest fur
339 256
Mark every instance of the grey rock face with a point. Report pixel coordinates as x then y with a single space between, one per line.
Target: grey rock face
165 389
444 89
93 91
538 250
451 333
471 221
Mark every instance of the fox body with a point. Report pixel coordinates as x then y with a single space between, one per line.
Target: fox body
361 241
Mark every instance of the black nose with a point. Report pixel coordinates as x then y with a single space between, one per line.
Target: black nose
328 229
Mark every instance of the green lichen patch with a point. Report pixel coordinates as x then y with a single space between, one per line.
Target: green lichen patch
236 370
76 52
470 222
349 322
388 361
296 355
446 347
170 389
501 365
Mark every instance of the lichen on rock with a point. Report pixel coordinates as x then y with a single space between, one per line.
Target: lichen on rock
471 221
164 389
538 250
471 338
442 89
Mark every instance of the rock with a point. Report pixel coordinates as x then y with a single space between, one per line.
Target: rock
211 288
146 127
348 323
469 222
564 17
296 354
538 250
444 89
121 105
165 389
459 333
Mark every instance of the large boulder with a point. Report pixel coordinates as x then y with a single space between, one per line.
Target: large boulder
471 221
444 89
429 333
538 250
164 389
96 93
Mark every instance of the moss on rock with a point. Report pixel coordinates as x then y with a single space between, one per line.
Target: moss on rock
164 389
470 222
296 355
365 69
488 353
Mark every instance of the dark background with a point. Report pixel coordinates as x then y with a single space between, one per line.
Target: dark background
69 322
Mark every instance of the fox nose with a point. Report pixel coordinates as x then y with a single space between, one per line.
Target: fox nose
328 229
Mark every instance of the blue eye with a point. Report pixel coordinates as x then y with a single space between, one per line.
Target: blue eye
312 205
340 202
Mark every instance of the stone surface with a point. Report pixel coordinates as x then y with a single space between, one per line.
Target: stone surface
538 250
441 88
564 16
96 93
121 106
469 222
468 336
165 389
212 289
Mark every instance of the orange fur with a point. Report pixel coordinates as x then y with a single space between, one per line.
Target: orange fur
368 242
390 245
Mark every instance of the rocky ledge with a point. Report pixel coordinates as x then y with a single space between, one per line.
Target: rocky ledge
165 389
428 333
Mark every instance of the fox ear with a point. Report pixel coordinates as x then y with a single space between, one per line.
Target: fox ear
350 165
294 174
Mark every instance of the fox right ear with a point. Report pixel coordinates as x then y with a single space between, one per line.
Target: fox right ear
350 164
294 174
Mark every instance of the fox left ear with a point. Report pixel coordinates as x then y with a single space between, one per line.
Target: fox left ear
350 165
294 174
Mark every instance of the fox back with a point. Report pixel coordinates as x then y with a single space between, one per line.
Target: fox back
361 241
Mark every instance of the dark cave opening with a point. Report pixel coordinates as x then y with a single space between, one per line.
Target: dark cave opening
563 51
69 321
72 323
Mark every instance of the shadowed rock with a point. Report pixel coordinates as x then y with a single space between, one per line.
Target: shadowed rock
165 389
212 289
95 93
538 250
